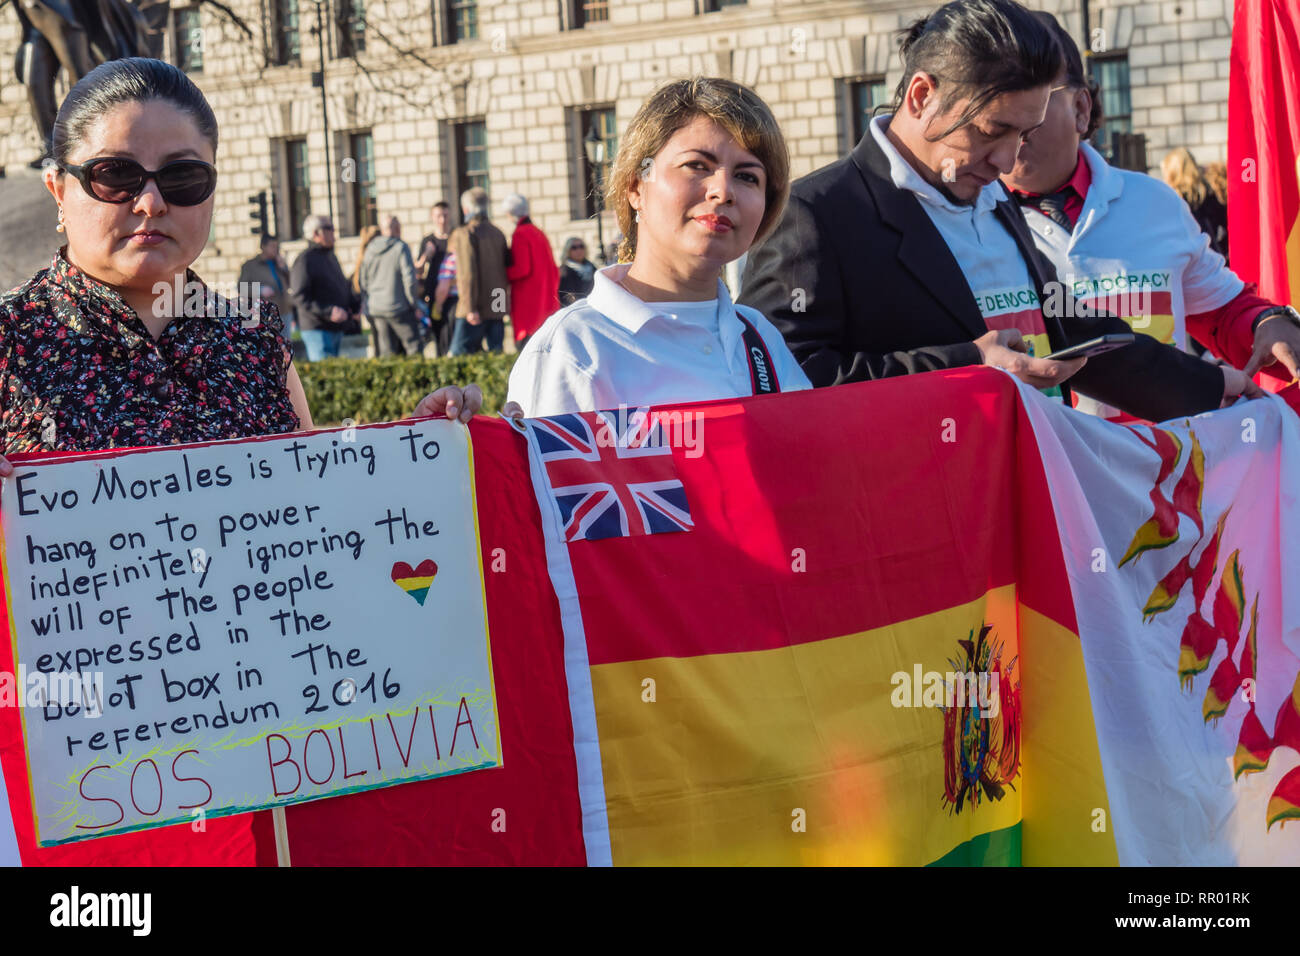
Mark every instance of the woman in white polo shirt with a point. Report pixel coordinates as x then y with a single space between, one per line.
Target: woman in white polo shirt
702 173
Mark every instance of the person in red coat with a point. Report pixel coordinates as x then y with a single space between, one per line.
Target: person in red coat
534 276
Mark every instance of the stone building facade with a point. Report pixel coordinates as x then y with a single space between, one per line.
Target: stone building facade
425 97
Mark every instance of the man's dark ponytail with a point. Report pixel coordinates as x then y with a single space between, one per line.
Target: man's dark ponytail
978 50
909 35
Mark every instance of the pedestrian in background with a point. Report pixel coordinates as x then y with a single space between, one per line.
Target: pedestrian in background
366 236
392 292
1180 171
577 272
270 273
326 303
534 277
433 249
1216 177
481 260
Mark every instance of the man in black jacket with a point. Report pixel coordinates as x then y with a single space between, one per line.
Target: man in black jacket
908 256
321 293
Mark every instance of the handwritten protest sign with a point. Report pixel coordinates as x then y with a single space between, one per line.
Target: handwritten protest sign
208 629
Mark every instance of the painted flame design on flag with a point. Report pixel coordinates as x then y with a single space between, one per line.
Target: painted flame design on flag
1191 487
1200 638
1167 591
1284 803
1161 529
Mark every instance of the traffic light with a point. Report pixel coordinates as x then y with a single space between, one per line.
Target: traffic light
258 214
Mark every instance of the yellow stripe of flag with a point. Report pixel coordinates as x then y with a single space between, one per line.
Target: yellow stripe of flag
798 755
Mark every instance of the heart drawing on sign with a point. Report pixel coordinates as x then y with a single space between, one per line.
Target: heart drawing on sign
415 581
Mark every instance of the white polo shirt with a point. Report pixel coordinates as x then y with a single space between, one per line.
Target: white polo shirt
1138 253
986 252
612 349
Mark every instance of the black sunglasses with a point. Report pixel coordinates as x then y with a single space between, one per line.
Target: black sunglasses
112 179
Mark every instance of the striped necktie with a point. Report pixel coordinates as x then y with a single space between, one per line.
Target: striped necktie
1051 205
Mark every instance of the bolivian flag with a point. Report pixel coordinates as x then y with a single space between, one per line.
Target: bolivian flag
860 648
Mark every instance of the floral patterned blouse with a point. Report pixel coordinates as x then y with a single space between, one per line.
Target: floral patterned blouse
80 372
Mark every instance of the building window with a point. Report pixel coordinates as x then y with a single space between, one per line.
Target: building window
470 147
713 6
188 39
351 26
1111 73
286 41
864 96
589 11
365 211
462 20
594 176
299 182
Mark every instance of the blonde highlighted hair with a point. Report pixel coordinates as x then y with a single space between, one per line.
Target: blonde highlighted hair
368 235
734 107
1216 177
1180 171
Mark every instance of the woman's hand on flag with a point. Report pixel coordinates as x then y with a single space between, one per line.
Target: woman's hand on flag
451 401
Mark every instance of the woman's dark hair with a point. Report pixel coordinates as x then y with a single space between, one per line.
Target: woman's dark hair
133 80
1074 74
978 49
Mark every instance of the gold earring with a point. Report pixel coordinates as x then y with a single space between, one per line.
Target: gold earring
60 227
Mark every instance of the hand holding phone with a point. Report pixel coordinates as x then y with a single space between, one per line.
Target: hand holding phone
1007 349
1102 343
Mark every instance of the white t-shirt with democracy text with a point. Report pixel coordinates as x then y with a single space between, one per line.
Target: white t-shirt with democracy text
1136 252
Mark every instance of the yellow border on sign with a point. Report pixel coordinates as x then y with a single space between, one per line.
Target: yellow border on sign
482 587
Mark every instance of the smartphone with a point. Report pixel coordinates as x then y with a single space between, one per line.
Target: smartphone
1103 343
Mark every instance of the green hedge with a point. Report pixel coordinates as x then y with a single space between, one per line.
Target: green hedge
386 389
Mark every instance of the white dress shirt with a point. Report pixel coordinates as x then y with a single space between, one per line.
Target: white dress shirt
611 349
1138 253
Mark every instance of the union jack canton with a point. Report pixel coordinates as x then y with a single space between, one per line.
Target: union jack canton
610 474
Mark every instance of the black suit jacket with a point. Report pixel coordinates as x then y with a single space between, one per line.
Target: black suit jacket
862 285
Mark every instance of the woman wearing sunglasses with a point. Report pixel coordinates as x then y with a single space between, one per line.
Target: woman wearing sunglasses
91 355
109 347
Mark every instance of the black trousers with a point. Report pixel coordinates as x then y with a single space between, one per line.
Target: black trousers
396 334
441 323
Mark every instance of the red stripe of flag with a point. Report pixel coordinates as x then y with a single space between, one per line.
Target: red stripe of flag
1028 321
1156 303
860 486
